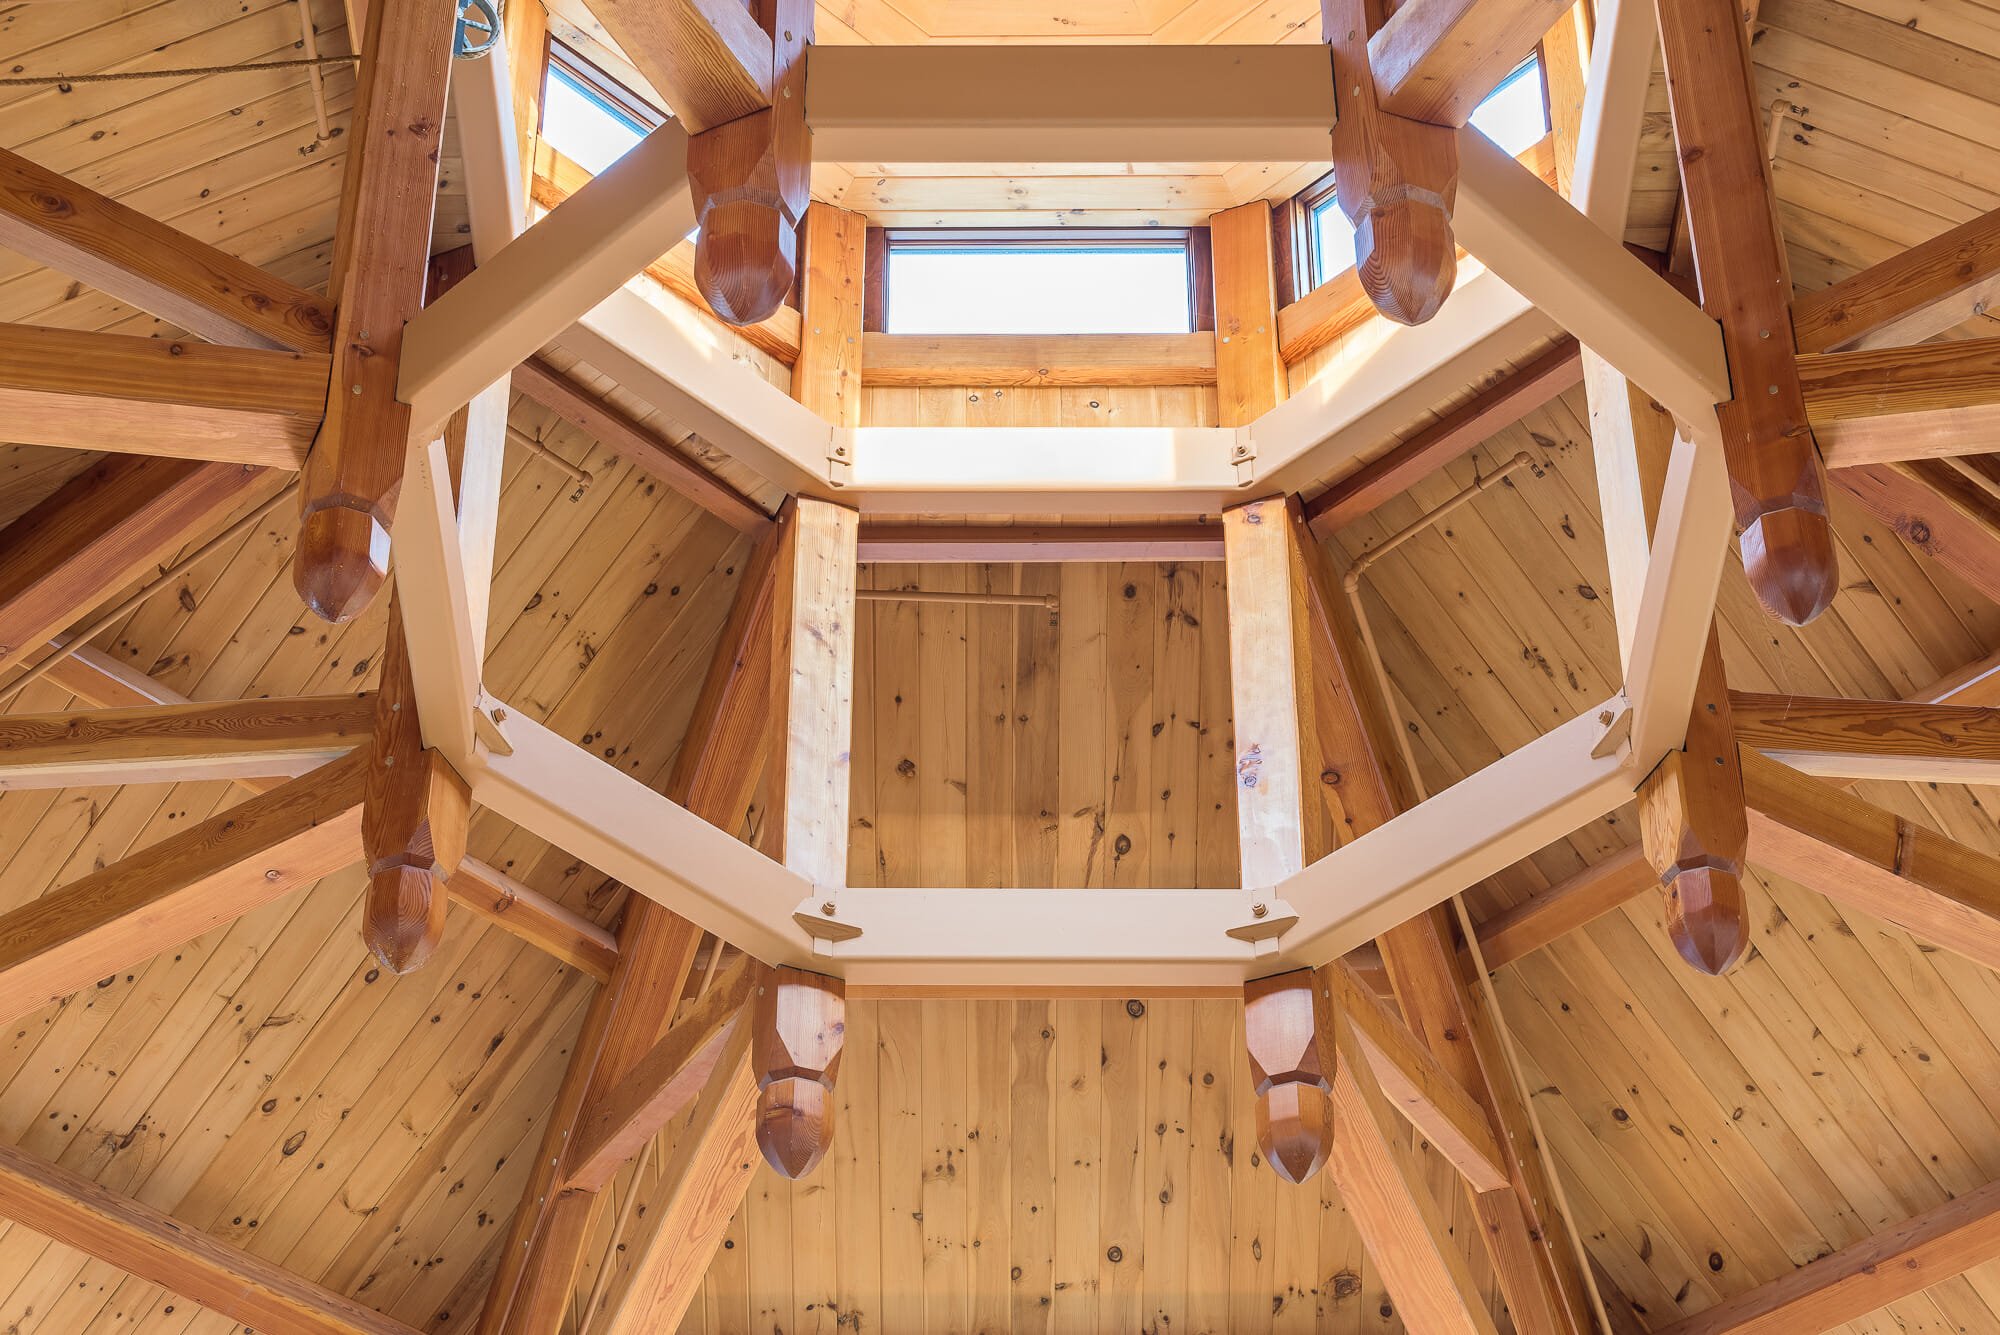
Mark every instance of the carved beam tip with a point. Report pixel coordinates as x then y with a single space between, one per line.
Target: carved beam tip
1789 558
800 1027
1705 918
342 561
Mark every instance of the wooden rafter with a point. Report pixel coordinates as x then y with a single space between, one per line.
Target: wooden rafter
604 422
1907 298
182 742
173 891
662 1084
890 542
1436 60
1779 483
1854 1281
135 395
102 681
715 777
1872 739
1307 703
708 58
162 271
1946 509
1488 413
103 529
1562 908
382 246
1860 855
1887 404
142 1241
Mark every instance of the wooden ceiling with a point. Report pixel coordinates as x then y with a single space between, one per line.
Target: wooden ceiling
1040 1164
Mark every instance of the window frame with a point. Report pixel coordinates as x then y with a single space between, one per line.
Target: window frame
1189 241
565 61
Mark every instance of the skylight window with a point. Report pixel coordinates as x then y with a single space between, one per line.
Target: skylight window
586 117
1514 115
1020 283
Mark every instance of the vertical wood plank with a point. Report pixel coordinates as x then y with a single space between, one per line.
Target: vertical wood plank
1249 372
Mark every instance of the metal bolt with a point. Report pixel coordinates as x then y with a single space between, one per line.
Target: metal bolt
827 908
499 716
357 389
1259 910
388 761
396 708
1774 389
273 874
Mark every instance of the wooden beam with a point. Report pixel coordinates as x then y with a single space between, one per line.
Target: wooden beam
181 743
1866 858
1925 291
1779 483
1585 897
1872 739
751 173
1249 373
812 686
164 272
1849 1284
1068 103
1436 60
413 822
1381 1183
114 522
154 1247
1889 404
909 543
714 777
173 891
189 400
608 425
1010 360
1488 413
830 370
1396 177
1308 703
1426 1094
351 479
705 1179
533 917
709 59
663 1084
1694 830
100 680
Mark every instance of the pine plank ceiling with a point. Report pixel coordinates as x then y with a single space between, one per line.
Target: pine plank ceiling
1045 1165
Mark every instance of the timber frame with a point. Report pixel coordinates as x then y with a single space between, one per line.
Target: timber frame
756 1056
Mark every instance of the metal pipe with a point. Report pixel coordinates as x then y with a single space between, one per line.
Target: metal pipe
1404 534
1047 600
310 41
534 446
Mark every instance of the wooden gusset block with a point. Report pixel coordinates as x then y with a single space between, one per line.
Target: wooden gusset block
382 251
752 179
1696 832
799 1024
413 822
1776 478
1396 178
1291 1072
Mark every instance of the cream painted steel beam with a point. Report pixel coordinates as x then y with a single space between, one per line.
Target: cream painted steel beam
549 276
1388 376
1587 281
974 104
670 357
